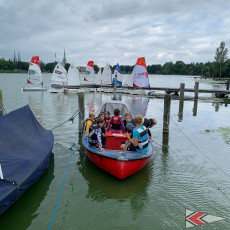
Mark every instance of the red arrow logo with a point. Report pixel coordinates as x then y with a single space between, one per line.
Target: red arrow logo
194 218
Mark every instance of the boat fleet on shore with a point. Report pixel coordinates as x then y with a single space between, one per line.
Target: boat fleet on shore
103 81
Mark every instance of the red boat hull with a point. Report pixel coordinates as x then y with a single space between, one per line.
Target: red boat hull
118 168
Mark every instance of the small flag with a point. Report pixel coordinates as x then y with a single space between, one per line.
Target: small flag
194 218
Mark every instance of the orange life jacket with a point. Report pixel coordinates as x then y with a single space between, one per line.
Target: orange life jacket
115 123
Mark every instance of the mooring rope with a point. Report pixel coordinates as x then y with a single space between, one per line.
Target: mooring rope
65 173
70 119
200 150
3 108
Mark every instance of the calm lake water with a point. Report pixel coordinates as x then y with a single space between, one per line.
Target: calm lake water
190 169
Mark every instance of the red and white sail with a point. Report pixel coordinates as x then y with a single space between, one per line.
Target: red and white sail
34 72
89 73
139 76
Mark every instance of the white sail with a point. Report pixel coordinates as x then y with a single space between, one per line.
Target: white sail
73 76
129 80
59 76
98 77
107 75
34 71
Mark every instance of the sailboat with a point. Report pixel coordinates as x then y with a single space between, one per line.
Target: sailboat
58 79
107 78
139 77
97 81
34 80
73 78
117 72
89 73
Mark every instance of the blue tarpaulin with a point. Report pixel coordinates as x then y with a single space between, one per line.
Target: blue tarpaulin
25 149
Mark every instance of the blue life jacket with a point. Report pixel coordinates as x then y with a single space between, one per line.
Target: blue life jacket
143 141
92 135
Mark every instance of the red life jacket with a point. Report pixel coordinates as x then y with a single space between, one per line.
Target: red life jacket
115 123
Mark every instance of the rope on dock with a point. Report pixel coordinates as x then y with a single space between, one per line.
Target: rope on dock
70 119
200 150
79 113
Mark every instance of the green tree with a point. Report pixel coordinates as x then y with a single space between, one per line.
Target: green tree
221 55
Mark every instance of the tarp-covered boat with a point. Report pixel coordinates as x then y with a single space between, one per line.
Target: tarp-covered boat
25 149
113 160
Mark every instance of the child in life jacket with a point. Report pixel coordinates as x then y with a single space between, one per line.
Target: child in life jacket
94 135
103 135
107 118
116 122
89 121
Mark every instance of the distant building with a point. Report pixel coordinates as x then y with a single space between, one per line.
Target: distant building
64 59
15 59
19 58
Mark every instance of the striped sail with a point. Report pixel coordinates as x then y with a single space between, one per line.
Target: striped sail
117 72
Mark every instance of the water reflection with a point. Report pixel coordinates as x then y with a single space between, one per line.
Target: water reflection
180 113
195 106
21 214
102 186
139 105
35 101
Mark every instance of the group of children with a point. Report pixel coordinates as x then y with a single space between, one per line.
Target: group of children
137 130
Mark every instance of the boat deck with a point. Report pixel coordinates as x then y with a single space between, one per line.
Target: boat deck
117 154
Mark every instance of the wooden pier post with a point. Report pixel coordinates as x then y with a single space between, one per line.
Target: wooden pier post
1 104
196 88
81 106
182 86
227 85
181 109
115 88
195 107
166 117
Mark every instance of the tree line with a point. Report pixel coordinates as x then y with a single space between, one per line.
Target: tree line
218 68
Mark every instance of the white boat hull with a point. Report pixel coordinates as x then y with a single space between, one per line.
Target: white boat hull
34 89
56 90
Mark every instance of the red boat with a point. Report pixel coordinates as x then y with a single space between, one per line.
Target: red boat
113 160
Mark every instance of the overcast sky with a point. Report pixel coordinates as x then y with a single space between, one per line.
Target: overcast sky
114 31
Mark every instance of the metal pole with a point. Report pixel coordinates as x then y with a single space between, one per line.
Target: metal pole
115 88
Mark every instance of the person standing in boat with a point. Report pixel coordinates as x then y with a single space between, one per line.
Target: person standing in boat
89 121
139 141
116 122
94 135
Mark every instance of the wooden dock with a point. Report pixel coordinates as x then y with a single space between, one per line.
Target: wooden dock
168 90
